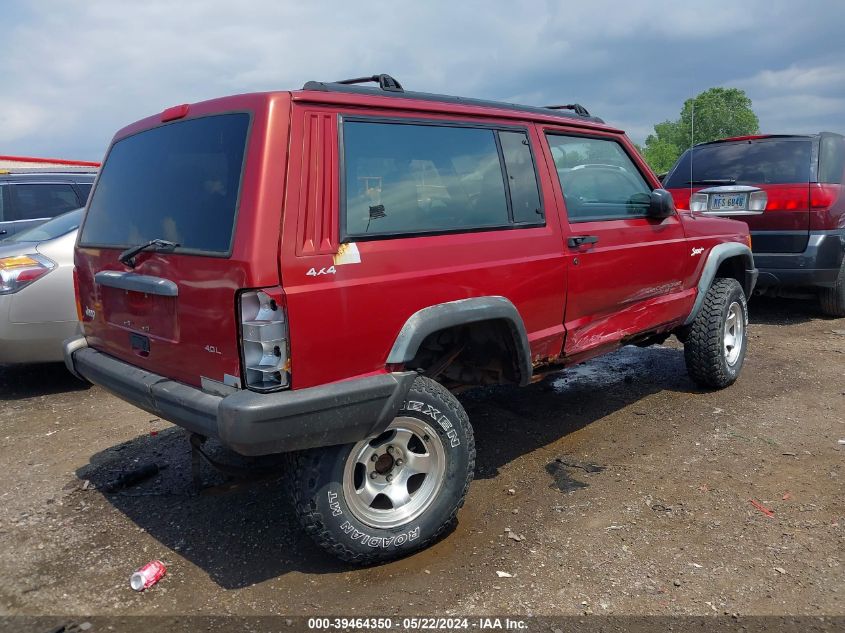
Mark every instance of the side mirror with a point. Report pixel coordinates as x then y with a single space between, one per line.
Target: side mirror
661 205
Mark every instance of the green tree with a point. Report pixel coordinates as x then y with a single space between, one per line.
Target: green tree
718 113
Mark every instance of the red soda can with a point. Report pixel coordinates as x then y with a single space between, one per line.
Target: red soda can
148 575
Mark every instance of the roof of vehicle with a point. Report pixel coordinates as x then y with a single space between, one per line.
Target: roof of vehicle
756 137
343 93
47 175
48 162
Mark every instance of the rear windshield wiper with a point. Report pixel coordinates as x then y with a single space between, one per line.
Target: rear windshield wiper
128 256
712 181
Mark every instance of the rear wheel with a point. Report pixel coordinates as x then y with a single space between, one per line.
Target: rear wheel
389 495
832 300
714 348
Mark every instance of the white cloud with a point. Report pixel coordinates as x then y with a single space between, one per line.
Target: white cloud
75 73
798 98
19 120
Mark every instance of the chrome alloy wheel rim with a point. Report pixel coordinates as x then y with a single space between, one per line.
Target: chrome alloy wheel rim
392 479
733 333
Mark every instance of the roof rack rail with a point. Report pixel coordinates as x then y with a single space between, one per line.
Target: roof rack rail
384 81
575 107
389 87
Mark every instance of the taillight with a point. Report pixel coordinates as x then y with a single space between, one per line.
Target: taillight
787 198
698 202
681 198
823 196
264 341
76 295
757 200
21 270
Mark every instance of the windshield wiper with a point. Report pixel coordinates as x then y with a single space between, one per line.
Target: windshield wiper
128 256
713 181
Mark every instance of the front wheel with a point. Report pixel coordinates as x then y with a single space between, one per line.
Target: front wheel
390 495
714 347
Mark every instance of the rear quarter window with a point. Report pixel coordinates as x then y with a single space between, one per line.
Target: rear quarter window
179 182
831 159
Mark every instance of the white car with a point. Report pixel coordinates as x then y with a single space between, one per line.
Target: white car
37 302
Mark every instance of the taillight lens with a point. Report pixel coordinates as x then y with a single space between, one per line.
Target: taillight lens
823 196
757 200
698 202
21 270
264 341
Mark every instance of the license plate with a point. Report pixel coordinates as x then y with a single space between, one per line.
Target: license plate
728 201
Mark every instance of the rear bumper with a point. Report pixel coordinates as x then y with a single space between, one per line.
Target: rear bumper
32 342
248 422
817 266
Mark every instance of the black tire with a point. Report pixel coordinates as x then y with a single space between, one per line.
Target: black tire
319 495
832 300
704 348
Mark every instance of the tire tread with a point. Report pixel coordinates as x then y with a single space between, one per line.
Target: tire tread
305 466
703 344
832 300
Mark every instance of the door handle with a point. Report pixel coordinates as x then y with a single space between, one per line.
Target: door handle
2 231
579 240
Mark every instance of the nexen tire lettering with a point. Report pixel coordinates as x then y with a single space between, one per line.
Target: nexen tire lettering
437 416
379 541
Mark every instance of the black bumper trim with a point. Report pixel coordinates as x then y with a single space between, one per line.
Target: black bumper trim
817 266
248 422
751 277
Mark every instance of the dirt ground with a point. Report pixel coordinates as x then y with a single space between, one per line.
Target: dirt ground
616 487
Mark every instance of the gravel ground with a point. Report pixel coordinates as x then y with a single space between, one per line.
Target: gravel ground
616 487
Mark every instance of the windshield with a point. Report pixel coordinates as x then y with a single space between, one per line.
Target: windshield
177 182
51 229
758 162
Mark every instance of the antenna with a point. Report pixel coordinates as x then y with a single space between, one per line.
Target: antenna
691 152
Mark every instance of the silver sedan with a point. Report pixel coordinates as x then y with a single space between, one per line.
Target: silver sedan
37 302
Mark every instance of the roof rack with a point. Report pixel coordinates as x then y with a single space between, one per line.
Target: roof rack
389 87
575 107
384 81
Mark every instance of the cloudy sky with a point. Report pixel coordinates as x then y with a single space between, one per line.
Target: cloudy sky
74 72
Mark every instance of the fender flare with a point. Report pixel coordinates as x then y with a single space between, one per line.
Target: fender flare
715 257
462 312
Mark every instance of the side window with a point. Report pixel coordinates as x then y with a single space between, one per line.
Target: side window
43 200
84 190
598 179
522 178
411 178
4 205
831 159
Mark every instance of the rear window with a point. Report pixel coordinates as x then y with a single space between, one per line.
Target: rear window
773 162
179 182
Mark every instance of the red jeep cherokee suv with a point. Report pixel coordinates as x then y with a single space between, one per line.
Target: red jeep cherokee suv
789 190
318 271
